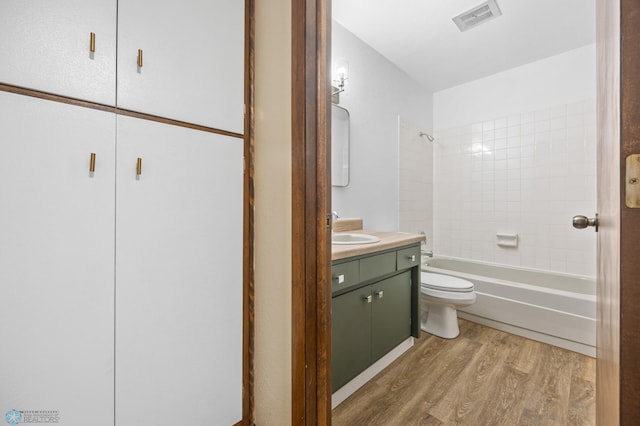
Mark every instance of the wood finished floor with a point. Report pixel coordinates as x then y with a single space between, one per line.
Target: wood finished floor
483 377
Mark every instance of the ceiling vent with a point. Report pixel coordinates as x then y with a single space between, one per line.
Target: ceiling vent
480 14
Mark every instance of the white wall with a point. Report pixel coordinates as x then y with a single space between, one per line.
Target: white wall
273 213
515 153
415 180
377 93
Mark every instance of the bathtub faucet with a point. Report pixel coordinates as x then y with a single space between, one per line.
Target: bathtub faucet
427 253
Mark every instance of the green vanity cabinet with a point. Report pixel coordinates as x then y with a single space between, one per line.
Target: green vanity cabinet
391 316
351 332
374 308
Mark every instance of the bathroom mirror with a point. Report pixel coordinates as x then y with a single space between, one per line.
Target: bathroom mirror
339 146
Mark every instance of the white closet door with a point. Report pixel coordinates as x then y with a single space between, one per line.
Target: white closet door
192 60
45 45
179 276
56 260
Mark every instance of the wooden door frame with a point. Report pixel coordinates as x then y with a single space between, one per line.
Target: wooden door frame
629 319
311 206
311 258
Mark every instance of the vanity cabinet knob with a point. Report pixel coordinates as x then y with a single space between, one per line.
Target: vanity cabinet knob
380 294
412 257
368 298
340 278
92 162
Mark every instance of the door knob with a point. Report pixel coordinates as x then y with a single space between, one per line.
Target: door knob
581 222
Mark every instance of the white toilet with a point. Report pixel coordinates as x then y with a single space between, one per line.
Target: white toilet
441 296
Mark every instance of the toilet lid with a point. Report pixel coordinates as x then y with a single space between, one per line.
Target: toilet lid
445 282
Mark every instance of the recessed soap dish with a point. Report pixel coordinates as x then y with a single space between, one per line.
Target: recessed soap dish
507 240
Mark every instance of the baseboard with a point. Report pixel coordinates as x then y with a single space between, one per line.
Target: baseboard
357 382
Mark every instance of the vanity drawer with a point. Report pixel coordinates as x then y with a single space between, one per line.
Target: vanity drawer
408 258
377 266
344 275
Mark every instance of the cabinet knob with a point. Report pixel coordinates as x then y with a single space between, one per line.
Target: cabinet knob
412 257
340 278
92 163
368 298
380 294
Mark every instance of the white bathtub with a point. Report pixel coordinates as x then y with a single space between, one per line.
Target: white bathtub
555 308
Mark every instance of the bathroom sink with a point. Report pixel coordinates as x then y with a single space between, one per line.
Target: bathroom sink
353 239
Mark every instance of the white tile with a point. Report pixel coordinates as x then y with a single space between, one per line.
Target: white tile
513 131
488 135
500 143
513 152
501 133
542 126
500 123
542 137
527 128
513 142
527 140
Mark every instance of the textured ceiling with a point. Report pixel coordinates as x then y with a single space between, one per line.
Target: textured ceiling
421 39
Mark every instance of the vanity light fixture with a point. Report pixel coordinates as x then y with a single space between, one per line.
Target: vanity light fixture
341 75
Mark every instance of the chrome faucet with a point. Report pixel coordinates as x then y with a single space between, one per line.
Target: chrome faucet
334 216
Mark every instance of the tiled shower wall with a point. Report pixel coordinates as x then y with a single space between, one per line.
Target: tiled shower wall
524 174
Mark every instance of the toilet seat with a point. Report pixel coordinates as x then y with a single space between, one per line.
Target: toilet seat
444 283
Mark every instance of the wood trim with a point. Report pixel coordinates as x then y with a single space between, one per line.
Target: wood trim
629 217
608 288
56 98
248 305
178 123
311 257
107 108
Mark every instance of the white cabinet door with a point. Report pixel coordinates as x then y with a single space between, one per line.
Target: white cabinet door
45 45
192 60
56 261
178 276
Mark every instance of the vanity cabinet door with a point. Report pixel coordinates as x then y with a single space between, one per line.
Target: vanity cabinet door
179 276
391 315
45 45
192 60
351 335
56 260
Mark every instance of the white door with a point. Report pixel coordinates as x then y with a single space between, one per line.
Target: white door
45 45
56 261
178 275
192 60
